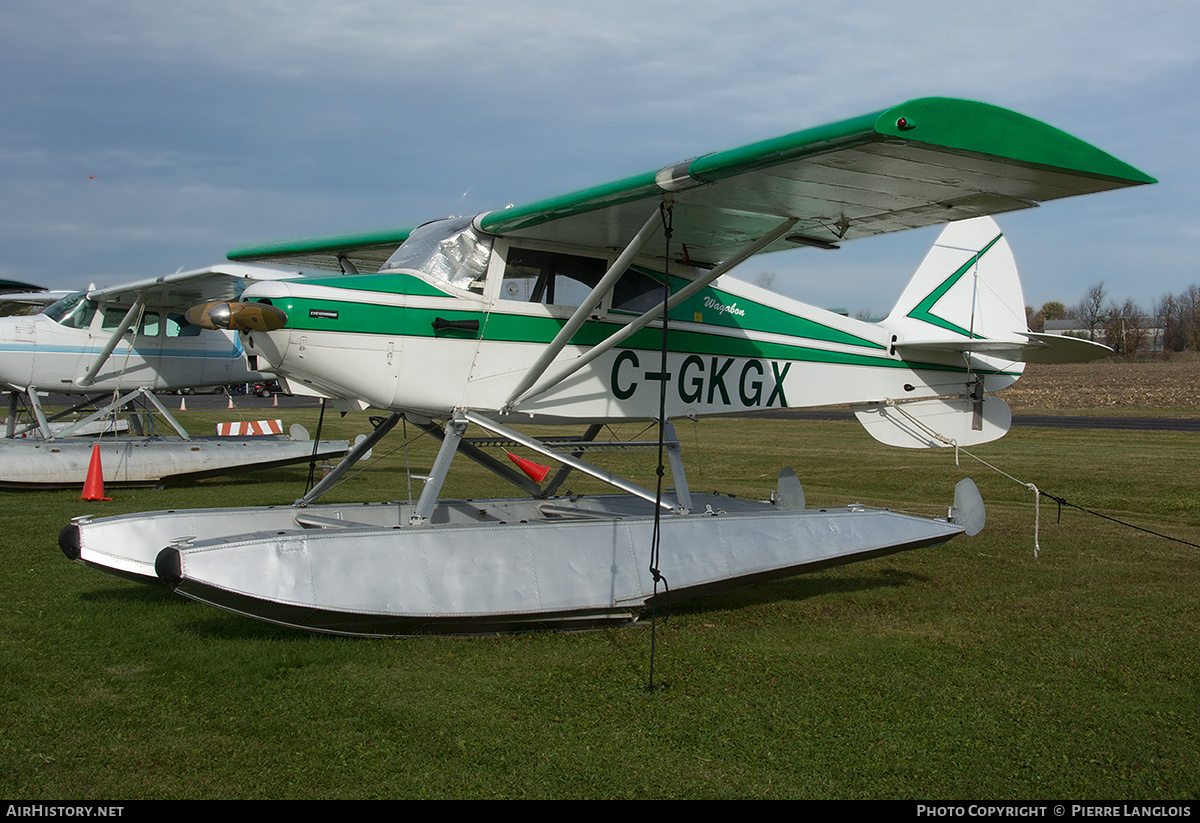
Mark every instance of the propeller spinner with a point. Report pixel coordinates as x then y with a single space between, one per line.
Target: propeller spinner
237 316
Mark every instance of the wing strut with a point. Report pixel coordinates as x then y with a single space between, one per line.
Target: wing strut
585 309
128 320
603 475
654 313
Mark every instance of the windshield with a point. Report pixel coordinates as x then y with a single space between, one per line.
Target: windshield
74 311
447 250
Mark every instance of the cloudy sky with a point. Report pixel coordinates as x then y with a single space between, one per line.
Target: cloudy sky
138 137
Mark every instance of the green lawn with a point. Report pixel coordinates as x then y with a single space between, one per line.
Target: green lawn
973 670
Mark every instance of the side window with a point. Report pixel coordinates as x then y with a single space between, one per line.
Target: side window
178 326
151 321
112 319
550 277
636 292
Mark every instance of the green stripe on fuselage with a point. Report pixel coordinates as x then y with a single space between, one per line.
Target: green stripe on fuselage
381 283
345 317
713 306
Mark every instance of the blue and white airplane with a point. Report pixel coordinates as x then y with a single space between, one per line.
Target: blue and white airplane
129 337
114 348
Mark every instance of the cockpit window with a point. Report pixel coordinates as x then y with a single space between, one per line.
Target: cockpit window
74 311
448 250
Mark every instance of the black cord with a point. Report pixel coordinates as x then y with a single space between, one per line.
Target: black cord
1064 502
666 213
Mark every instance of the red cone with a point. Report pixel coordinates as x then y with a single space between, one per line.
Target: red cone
536 471
93 486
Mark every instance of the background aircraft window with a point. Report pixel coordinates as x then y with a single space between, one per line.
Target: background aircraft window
74 311
178 326
112 319
150 323
550 277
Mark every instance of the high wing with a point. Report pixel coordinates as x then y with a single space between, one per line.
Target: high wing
350 253
924 162
185 289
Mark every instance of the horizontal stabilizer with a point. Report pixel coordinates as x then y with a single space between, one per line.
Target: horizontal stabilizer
1035 348
1057 348
925 424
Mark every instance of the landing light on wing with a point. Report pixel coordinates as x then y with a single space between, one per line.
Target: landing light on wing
237 316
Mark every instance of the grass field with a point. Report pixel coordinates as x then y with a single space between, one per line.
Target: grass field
973 670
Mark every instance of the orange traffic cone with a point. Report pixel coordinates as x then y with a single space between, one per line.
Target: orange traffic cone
93 486
536 471
183 402
230 406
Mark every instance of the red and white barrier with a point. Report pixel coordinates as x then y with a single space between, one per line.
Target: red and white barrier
245 429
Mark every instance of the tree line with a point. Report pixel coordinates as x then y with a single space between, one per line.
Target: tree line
1125 327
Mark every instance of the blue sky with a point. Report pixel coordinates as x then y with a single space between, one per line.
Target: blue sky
139 137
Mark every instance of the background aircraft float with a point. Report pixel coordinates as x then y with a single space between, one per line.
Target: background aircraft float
116 347
553 313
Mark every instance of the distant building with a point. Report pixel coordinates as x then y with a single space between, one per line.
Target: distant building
1153 340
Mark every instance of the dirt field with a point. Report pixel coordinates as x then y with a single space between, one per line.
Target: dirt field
1161 384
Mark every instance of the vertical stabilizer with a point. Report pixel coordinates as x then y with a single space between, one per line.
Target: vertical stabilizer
966 289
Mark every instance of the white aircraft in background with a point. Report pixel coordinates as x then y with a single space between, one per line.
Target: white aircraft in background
606 305
129 337
115 347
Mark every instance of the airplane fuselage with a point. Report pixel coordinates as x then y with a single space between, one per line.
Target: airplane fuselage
407 340
53 350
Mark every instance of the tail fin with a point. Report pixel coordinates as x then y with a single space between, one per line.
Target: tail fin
966 299
964 307
966 289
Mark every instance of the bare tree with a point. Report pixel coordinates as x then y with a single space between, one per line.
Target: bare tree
1169 318
1126 329
1091 311
1189 316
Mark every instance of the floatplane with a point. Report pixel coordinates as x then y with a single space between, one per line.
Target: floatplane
112 349
611 305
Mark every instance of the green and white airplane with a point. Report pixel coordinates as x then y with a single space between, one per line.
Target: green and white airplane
610 305
552 312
